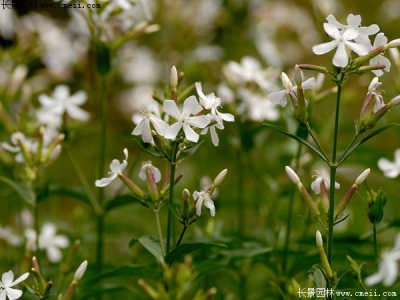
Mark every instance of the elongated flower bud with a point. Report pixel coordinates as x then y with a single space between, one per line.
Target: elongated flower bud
174 77
394 43
322 255
80 271
220 177
133 187
292 175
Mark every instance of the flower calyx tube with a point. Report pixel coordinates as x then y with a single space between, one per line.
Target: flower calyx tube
322 255
376 203
346 199
306 196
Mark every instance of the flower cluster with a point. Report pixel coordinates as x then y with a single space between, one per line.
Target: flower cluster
194 117
353 37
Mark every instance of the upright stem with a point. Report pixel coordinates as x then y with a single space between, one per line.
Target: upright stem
171 196
376 256
289 216
240 208
102 143
160 236
181 236
333 167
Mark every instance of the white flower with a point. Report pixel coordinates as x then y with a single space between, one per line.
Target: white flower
7 282
7 235
354 22
201 197
390 169
322 175
143 128
213 102
388 269
280 97
213 131
256 107
184 120
49 241
156 172
62 102
373 89
116 168
380 40
341 40
30 145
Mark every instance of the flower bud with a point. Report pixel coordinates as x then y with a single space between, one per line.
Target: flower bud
361 178
185 194
286 81
133 187
322 255
313 68
220 177
298 75
394 43
158 141
174 78
355 269
371 54
395 55
292 176
80 271
148 289
377 203
152 28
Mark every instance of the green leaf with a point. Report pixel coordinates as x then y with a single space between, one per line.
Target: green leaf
180 251
371 135
153 153
120 200
129 270
24 192
299 139
152 244
316 275
189 151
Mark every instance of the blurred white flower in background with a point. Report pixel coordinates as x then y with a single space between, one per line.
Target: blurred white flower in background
390 169
50 242
30 145
6 234
388 268
61 101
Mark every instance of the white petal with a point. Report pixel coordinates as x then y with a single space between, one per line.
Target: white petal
308 84
210 205
277 97
198 121
325 47
78 98
2 294
156 173
354 20
171 108
357 48
380 40
226 116
190 105
7 278
172 131
159 125
53 254
105 181
391 273
190 134
199 90
374 278
61 92
350 34
126 153
139 127
214 136
147 137
142 173
77 113
46 100
397 156
316 186
340 59
13 293
332 30
61 241
20 279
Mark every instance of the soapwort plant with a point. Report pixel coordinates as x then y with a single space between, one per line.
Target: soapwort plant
347 40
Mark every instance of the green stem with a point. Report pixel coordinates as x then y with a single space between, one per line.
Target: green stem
240 208
376 256
171 195
290 215
102 144
160 236
181 236
349 146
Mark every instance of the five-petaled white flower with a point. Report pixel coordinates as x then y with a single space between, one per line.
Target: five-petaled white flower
156 172
390 169
49 241
322 175
212 102
62 102
380 40
342 39
7 282
203 197
184 120
116 168
143 128
354 22
388 269
29 144
280 97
